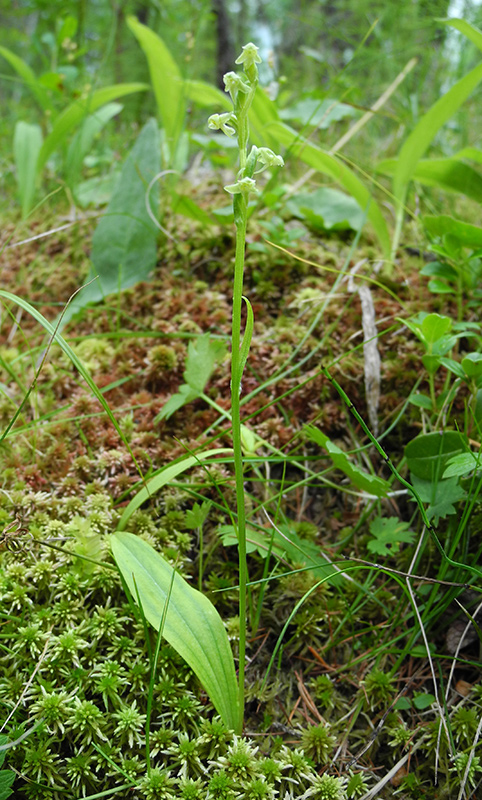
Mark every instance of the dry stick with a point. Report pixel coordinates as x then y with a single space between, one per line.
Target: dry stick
359 123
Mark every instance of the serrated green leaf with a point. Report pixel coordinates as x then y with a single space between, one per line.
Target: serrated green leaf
183 396
462 464
192 626
389 533
365 482
442 496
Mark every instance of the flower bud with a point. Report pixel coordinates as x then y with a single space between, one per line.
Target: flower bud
219 122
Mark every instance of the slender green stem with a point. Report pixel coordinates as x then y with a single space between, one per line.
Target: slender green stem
236 375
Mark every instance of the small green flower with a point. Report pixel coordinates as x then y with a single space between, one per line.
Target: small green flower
220 122
242 186
234 84
268 158
249 56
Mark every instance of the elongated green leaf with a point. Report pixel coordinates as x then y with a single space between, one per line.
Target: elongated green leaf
27 142
422 135
192 625
75 113
470 153
449 174
82 141
467 235
205 94
166 81
367 483
124 245
28 76
470 31
332 166
165 476
262 113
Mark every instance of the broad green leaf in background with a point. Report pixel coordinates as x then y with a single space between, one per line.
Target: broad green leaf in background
262 114
124 245
167 83
164 476
468 30
428 454
330 165
444 225
449 174
69 119
82 140
192 626
424 132
327 209
205 94
389 533
27 142
202 355
362 480
28 77
317 113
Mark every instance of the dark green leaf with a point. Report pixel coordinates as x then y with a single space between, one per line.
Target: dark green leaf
428 454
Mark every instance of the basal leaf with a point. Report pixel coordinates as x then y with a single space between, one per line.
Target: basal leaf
166 81
124 245
327 209
462 464
192 626
27 142
418 142
28 77
443 225
365 482
72 116
449 174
